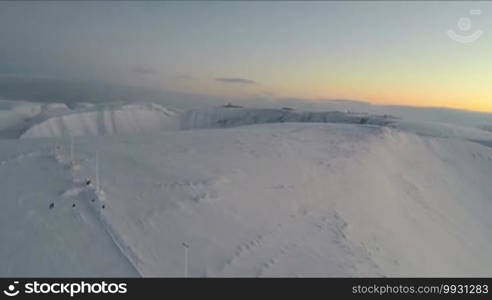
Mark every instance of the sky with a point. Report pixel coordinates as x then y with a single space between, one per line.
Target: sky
383 52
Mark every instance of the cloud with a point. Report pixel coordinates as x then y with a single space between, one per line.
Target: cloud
235 80
145 70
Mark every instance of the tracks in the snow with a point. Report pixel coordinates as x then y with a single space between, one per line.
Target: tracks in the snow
260 255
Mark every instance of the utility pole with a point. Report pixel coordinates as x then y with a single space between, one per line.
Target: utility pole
97 171
71 150
186 247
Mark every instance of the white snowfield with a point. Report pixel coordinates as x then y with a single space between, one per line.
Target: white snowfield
315 197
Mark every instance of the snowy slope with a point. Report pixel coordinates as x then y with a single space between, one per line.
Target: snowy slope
222 117
57 120
127 119
38 241
30 120
14 115
263 200
446 130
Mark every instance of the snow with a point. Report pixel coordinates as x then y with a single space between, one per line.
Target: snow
294 193
438 129
128 119
38 241
232 117
13 115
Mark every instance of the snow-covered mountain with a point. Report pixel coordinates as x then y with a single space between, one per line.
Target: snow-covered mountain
294 193
127 119
237 116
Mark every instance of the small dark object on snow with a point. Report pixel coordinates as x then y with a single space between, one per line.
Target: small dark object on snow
73 205
363 121
52 205
229 105
104 206
88 182
93 200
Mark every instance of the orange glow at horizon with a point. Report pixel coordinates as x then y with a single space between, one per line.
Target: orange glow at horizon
420 82
471 102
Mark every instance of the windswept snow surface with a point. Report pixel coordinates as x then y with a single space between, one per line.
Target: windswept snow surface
291 199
